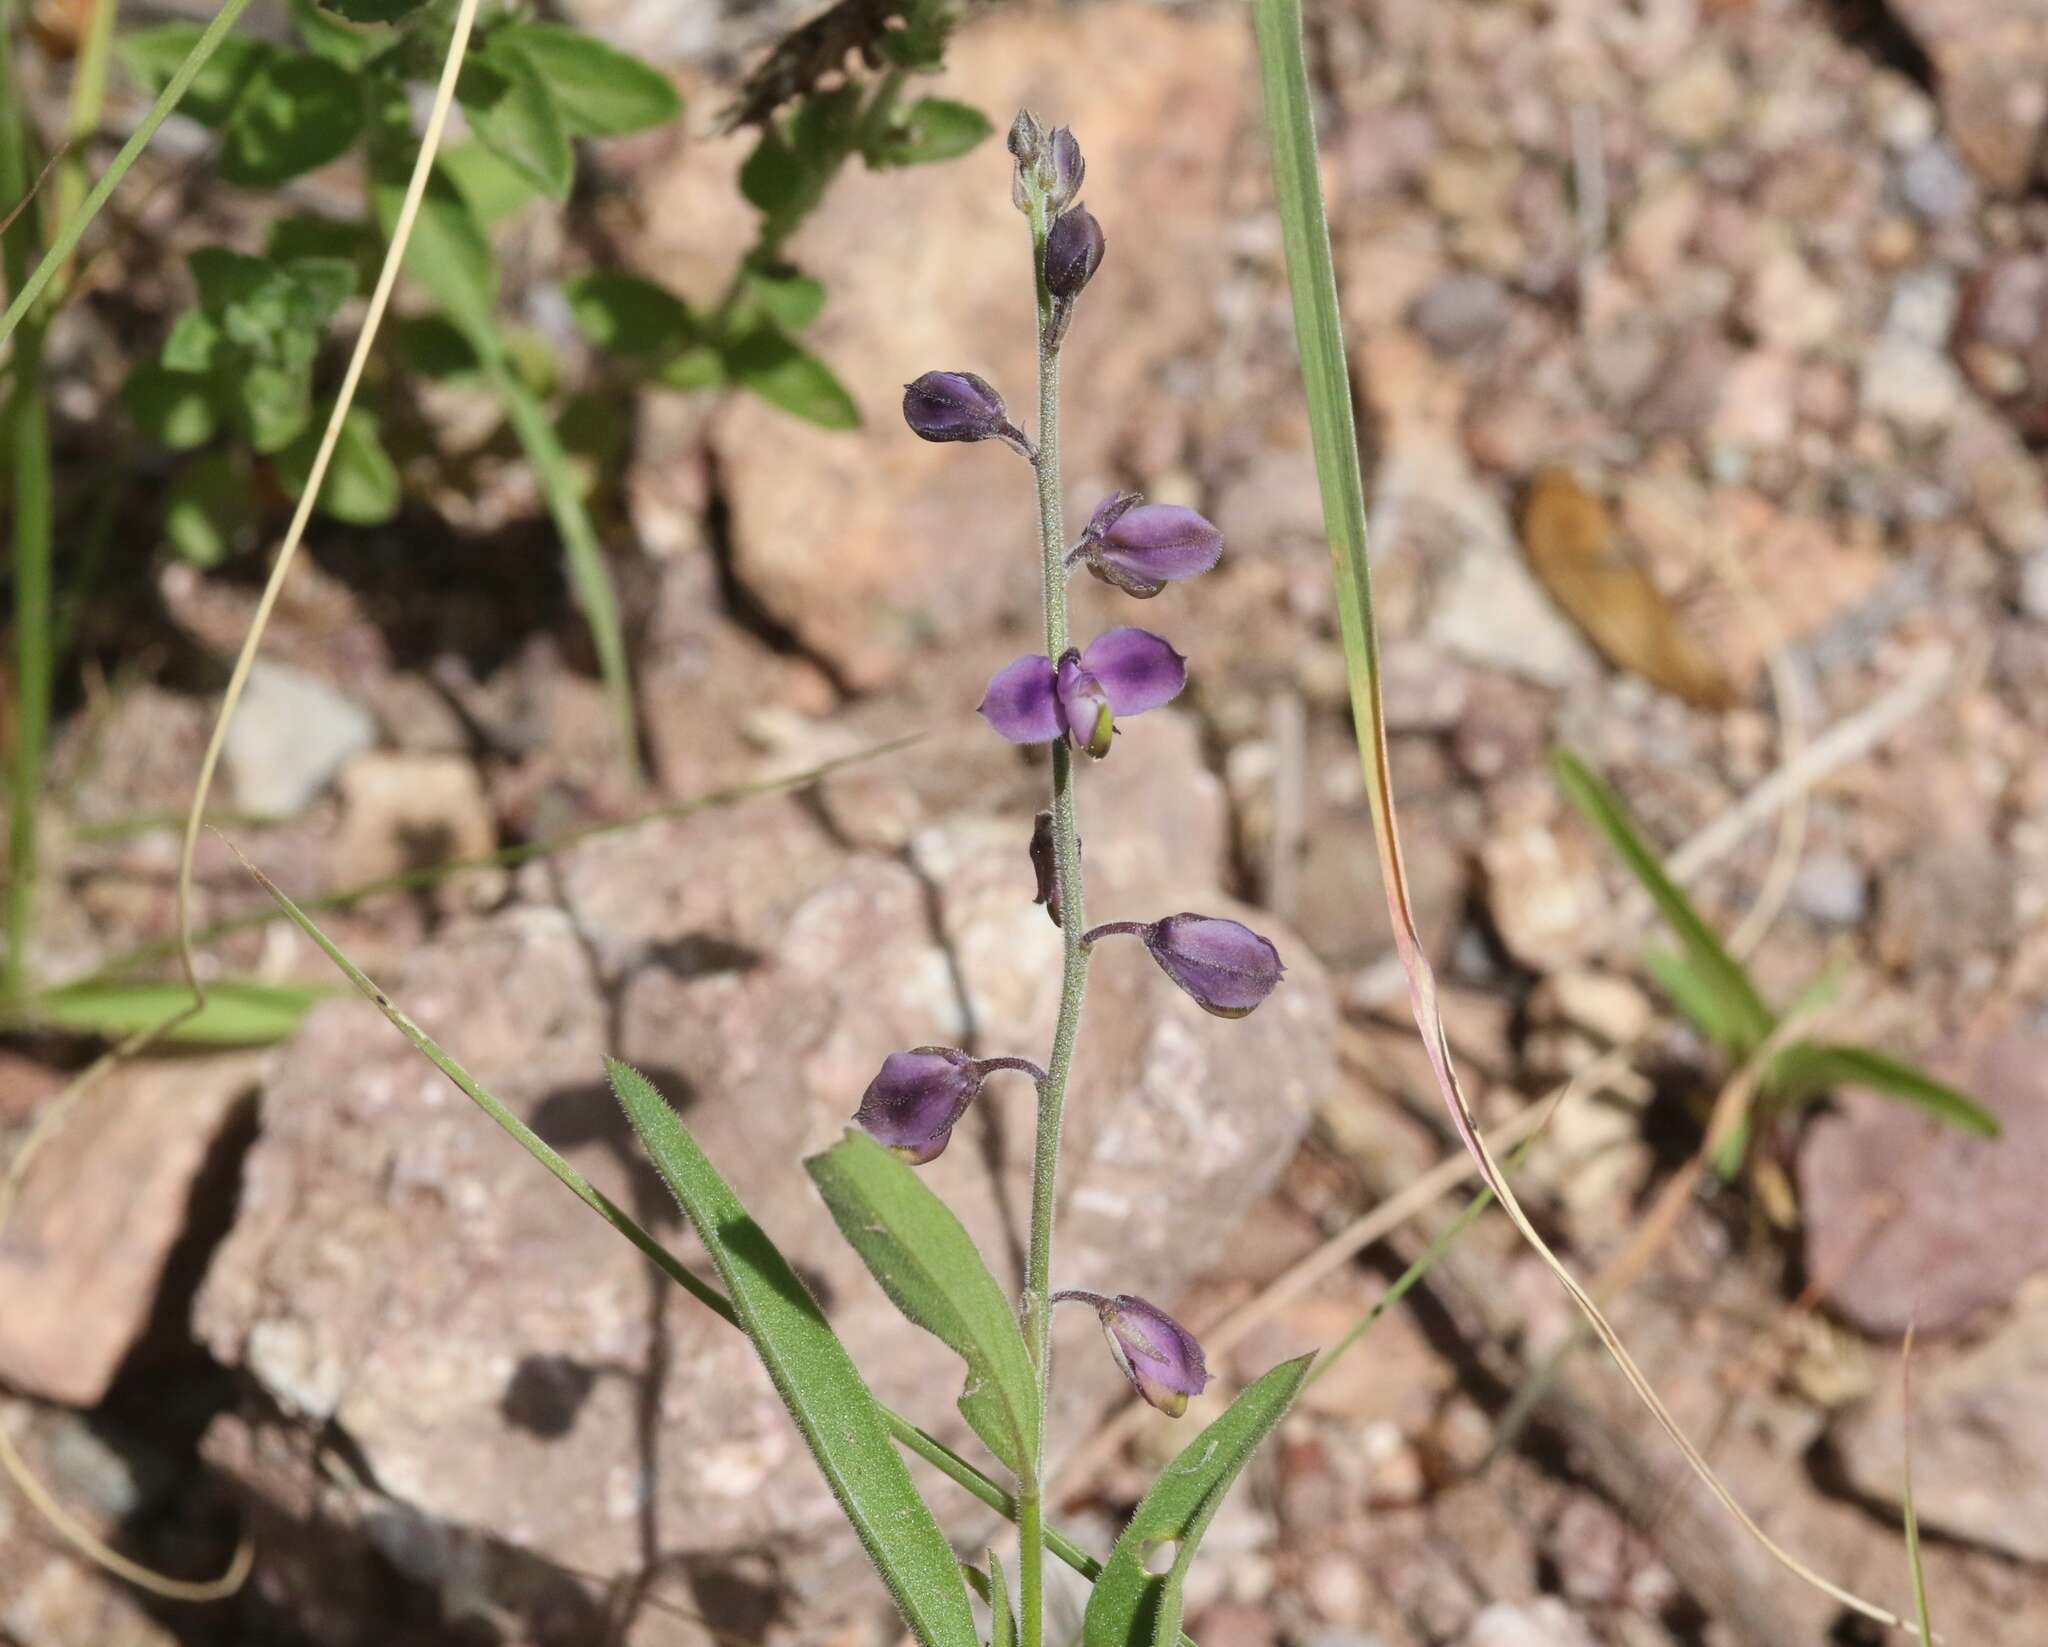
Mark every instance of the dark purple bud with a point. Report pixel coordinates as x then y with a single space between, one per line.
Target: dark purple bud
1044 866
1084 707
943 406
1157 1354
1060 168
1140 550
1122 672
1073 252
912 1103
915 1099
1225 966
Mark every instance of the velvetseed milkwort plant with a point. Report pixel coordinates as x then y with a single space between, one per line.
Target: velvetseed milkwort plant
1072 698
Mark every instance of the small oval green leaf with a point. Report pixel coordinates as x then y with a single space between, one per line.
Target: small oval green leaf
600 90
297 113
787 375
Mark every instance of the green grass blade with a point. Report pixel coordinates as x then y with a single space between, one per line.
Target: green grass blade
1806 1069
236 1013
1714 968
1133 1608
67 236
908 1435
927 1263
814 1375
1913 1565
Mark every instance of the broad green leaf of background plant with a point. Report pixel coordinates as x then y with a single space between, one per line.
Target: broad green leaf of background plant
785 374
174 409
513 114
1716 971
600 90
362 487
629 316
814 1376
789 299
348 45
152 56
1806 1069
1131 1607
449 256
927 1264
271 404
372 11
493 188
932 128
296 113
235 1014
208 508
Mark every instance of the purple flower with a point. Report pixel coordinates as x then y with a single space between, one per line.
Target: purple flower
916 1097
1157 1354
1044 867
1224 965
1122 672
1073 252
944 406
1142 547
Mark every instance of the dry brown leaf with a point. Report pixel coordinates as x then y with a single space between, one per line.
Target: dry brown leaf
1578 556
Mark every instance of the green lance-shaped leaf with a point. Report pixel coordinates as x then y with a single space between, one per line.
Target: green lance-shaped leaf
788 376
1133 1608
932 128
449 255
296 113
630 316
513 114
1806 1069
600 90
928 1265
1715 970
814 1376
235 1014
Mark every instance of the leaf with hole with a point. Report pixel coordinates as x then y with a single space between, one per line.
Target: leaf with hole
1718 973
814 1376
600 90
932 128
514 115
786 375
236 1013
1131 1607
1805 1070
927 1264
297 113
361 488
153 55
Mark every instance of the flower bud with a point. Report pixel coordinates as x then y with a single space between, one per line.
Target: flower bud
1060 168
911 1105
1156 1353
1026 139
1044 866
1073 252
944 406
1140 549
1225 966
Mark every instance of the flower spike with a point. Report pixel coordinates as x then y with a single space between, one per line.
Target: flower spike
1155 1352
1121 672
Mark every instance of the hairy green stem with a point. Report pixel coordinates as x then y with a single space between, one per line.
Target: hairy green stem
1052 1092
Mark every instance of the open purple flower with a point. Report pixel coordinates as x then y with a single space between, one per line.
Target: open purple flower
1121 672
1224 965
1157 1354
916 1098
1142 547
946 406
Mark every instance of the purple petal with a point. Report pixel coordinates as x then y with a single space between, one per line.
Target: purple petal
1137 669
1159 1356
1019 702
1225 966
1084 706
911 1105
1159 542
